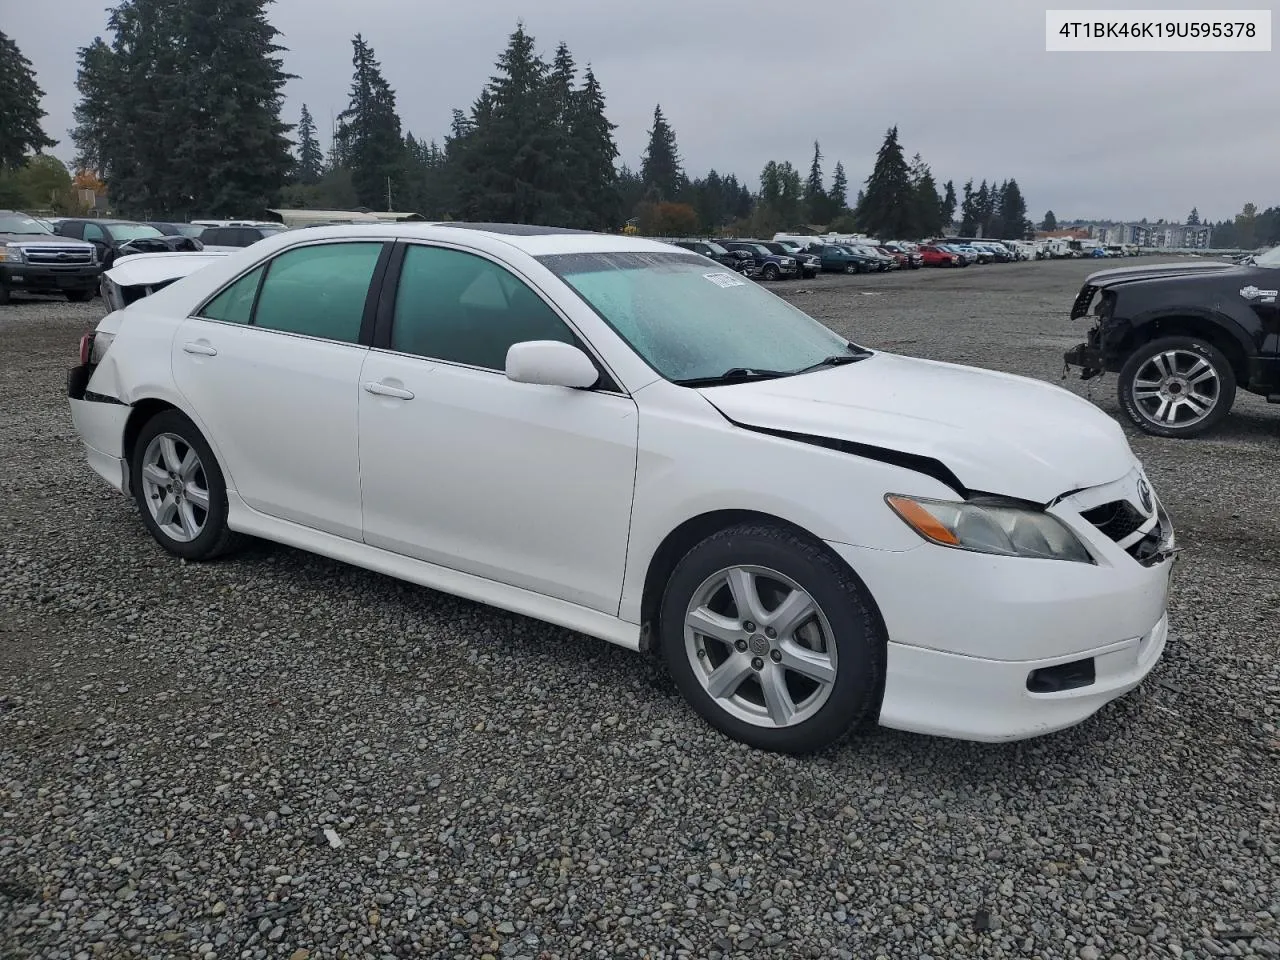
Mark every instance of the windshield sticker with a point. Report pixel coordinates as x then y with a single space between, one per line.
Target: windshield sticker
1253 293
725 279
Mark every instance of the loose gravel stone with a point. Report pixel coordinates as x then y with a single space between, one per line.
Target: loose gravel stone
278 756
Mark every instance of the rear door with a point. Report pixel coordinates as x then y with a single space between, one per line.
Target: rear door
271 367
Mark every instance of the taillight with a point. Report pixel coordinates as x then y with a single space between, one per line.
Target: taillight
86 348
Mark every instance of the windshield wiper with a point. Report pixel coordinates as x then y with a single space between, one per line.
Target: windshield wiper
838 360
734 375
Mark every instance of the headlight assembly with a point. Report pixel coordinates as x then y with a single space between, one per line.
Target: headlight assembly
1005 530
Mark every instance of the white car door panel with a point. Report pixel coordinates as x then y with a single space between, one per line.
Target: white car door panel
283 410
272 369
525 484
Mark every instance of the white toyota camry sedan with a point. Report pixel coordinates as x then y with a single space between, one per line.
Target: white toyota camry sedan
624 438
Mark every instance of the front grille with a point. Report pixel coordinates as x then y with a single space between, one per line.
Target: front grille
1081 306
1120 519
58 256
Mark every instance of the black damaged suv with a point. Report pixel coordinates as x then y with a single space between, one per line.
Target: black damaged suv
1183 337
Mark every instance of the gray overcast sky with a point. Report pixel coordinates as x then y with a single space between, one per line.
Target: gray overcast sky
969 84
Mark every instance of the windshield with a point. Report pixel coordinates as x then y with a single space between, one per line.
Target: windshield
1269 259
17 223
718 250
271 231
189 229
688 322
133 231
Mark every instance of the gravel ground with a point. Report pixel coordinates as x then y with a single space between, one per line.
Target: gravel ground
279 756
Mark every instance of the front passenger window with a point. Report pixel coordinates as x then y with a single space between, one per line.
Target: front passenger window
463 308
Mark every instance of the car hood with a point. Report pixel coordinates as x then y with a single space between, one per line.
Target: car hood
43 239
997 433
1156 271
153 268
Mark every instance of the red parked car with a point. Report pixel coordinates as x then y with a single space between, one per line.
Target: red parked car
937 257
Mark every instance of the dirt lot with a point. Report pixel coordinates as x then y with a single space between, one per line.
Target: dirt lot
174 739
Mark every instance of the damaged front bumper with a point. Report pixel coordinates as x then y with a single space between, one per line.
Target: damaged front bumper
1103 350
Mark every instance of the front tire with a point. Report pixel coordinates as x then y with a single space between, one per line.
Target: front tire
850 268
1176 387
79 296
772 640
179 488
770 272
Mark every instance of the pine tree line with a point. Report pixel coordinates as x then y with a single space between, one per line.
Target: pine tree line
180 111
180 114
995 210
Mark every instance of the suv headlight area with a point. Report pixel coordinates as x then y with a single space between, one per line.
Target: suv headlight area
992 527
11 253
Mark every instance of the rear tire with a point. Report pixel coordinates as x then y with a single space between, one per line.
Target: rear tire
1177 387
179 489
795 672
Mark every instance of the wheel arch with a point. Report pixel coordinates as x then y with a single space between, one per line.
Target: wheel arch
143 411
1214 328
693 531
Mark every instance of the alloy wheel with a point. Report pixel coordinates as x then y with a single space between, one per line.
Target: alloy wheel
175 488
1176 388
760 646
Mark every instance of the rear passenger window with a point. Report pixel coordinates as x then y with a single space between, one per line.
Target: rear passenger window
318 291
235 304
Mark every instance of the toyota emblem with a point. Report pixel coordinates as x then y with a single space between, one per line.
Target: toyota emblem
1144 496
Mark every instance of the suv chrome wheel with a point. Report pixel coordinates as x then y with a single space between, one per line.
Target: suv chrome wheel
1176 388
761 646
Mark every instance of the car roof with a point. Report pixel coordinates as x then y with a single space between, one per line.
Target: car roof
530 239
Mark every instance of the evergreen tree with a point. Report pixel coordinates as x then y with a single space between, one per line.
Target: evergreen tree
838 196
310 163
592 136
99 141
1012 214
968 211
791 190
181 112
984 207
949 204
1246 224
926 205
1050 222
20 111
369 131
630 190
1193 218
886 208
815 196
661 168
519 175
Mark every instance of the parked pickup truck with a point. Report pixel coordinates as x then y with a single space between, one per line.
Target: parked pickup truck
1183 337
35 260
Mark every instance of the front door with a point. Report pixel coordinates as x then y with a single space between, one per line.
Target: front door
271 367
524 484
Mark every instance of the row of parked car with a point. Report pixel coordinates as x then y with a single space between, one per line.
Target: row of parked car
67 254
788 257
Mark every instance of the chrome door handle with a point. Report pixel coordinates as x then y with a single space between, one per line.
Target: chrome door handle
386 390
200 348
